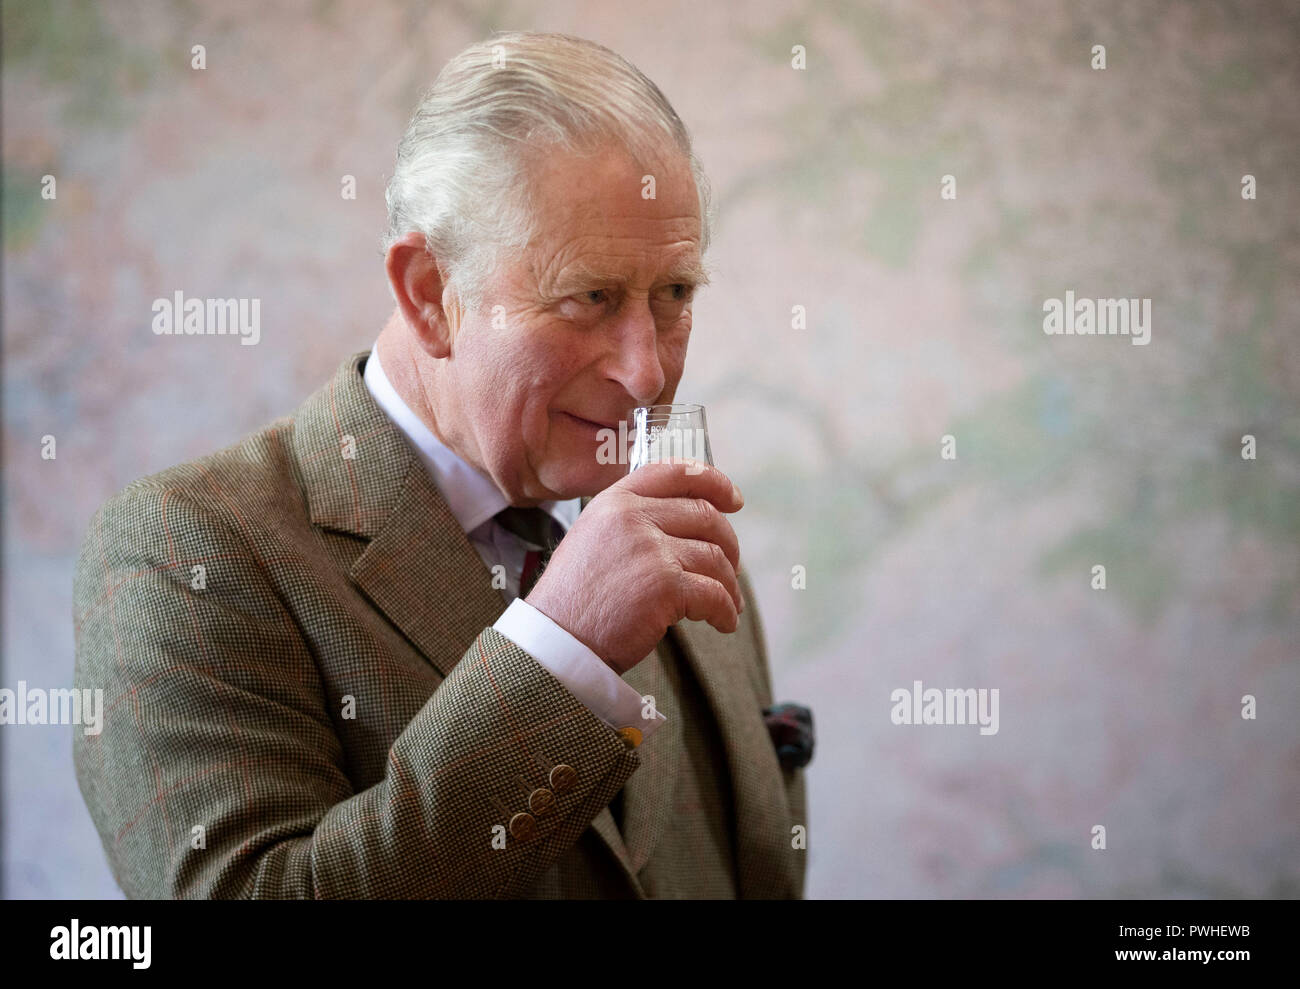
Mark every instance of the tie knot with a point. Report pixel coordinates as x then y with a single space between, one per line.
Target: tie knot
532 525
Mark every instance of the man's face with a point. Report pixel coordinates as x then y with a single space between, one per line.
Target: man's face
592 321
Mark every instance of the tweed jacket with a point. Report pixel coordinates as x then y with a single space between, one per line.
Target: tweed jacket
305 698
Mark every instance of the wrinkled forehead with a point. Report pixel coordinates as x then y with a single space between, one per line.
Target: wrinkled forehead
612 183
610 217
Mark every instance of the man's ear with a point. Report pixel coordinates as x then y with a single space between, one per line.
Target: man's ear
418 283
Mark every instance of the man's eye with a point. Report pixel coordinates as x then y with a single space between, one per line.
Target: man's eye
595 297
679 292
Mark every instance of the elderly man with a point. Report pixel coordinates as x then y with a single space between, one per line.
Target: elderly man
346 657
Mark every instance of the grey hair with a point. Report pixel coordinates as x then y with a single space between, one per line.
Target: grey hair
461 172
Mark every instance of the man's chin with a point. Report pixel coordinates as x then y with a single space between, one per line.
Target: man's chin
584 480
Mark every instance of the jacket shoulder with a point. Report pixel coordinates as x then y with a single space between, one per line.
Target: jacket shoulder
236 501
226 484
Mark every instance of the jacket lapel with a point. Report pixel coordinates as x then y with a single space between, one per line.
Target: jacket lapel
364 478
762 841
426 576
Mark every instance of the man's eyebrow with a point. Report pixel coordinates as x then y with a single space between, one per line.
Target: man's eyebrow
686 272
691 272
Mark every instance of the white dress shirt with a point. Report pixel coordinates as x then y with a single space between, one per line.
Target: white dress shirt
474 500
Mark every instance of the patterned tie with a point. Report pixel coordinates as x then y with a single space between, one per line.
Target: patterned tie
536 528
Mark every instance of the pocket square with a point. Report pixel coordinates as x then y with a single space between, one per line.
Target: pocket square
791 728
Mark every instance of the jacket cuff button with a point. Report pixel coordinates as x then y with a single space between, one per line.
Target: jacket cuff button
562 778
541 801
523 826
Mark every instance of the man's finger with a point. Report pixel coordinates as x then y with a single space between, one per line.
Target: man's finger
708 560
708 601
685 478
693 518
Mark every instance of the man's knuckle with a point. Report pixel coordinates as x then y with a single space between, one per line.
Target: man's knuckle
718 558
684 592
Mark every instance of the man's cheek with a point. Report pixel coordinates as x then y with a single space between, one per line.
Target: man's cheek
672 377
540 370
672 358
538 427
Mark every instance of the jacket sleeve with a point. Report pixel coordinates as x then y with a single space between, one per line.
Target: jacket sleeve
219 772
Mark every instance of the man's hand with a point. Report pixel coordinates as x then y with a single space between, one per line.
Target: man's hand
645 553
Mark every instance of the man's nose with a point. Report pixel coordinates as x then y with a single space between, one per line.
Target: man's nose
635 364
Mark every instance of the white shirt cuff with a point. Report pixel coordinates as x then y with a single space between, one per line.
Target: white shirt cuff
607 695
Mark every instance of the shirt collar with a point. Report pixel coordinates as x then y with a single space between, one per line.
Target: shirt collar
471 496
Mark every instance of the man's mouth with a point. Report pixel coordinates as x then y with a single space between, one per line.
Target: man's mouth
590 423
